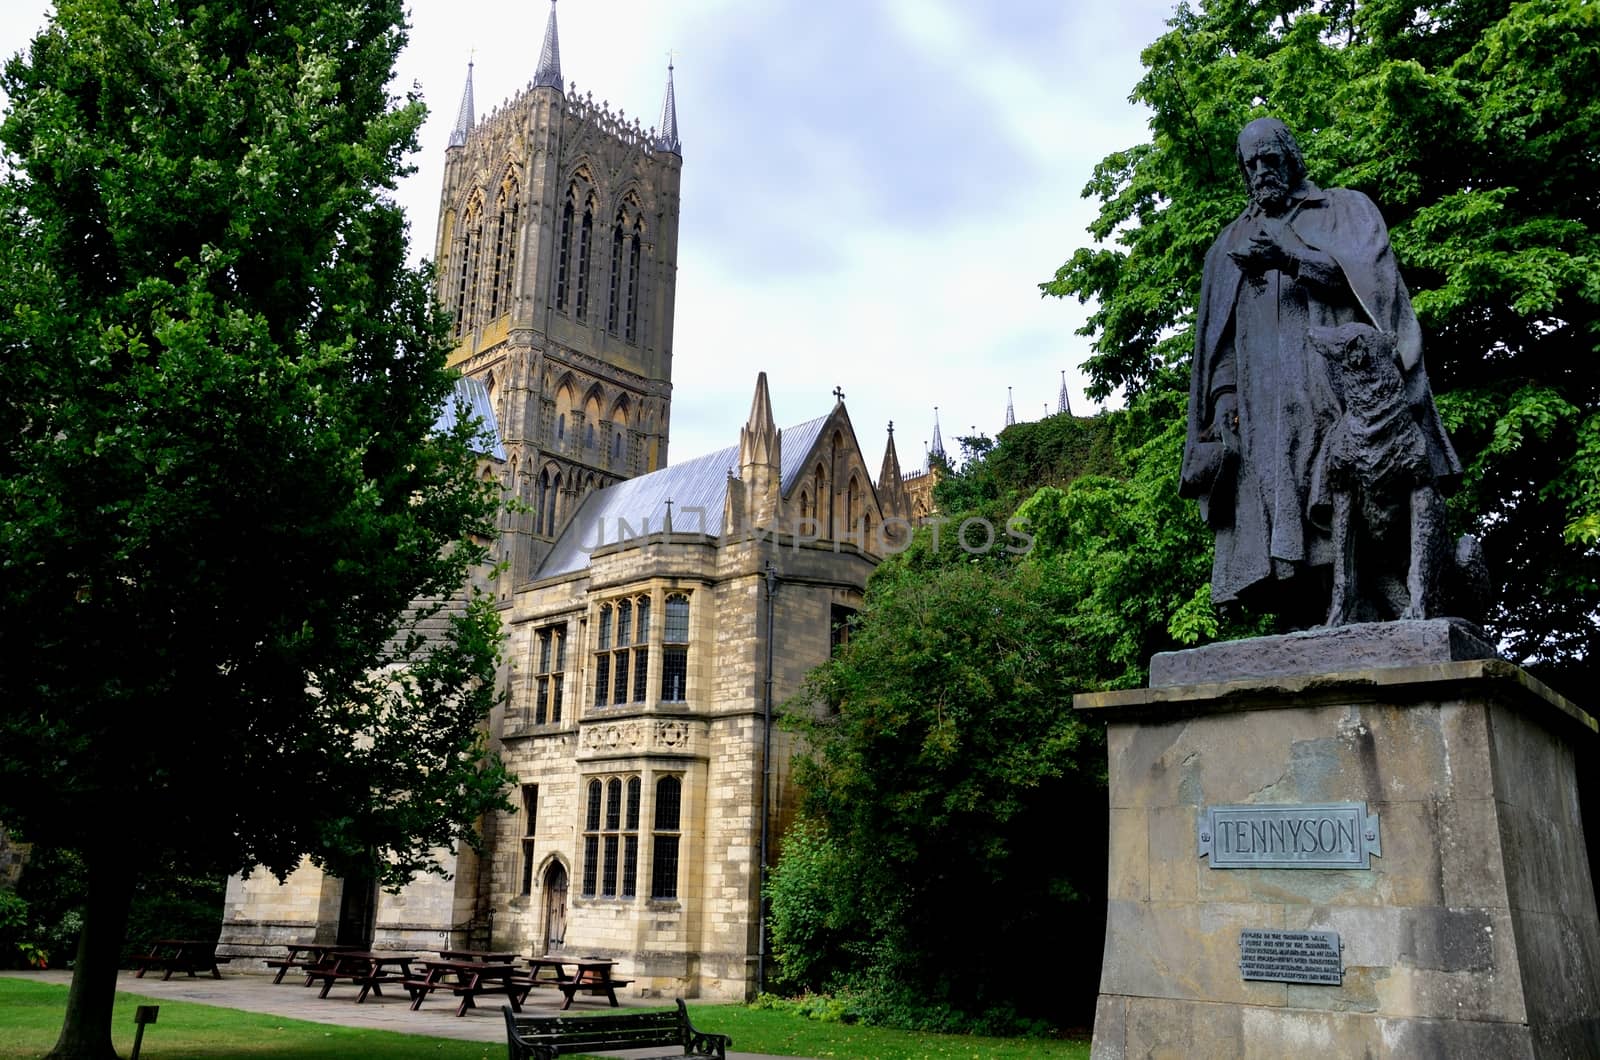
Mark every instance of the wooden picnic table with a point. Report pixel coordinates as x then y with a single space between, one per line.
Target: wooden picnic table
469 980
592 975
490 956
318 954
370 970
181 955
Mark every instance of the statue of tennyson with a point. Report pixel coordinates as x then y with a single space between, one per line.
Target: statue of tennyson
1262 405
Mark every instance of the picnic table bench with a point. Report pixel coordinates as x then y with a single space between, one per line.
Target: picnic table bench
545 1037
318 952
368 970
592 976
180 955
468 980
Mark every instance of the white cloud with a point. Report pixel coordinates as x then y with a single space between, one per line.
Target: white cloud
871 191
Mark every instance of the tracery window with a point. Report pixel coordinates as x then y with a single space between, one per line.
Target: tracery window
664 863
549 674
675 649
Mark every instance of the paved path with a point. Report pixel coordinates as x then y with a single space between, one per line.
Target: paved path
392 1012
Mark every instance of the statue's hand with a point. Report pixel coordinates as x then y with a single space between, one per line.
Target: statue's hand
1266 248
1225 422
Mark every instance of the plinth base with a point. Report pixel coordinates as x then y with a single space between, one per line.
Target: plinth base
1473 934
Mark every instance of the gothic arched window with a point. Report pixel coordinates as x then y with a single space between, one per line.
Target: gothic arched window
564 256
614 298
634 245
505 250
585 238
468 252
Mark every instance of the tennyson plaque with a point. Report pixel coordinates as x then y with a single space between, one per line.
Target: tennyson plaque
1291 957
1323 835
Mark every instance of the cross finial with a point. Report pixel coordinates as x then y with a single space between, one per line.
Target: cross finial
838 392
891 428
667 526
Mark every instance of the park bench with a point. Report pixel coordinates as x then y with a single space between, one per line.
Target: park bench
546 1037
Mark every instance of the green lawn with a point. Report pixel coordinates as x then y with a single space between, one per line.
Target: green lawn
30 1014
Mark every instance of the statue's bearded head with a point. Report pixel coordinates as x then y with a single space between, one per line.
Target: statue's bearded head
1272 163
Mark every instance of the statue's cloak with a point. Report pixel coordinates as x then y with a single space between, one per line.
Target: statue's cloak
1264 497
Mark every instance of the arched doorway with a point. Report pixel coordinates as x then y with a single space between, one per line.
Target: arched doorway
555 907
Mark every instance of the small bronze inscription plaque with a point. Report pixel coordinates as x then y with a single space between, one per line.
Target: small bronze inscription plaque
1322 835
1291 956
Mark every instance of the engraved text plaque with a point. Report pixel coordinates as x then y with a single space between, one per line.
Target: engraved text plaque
1323 835
1291 957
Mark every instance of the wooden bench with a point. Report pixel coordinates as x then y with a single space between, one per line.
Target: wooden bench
546 1037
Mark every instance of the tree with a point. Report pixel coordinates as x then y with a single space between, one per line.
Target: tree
958 793
224 502
1473 126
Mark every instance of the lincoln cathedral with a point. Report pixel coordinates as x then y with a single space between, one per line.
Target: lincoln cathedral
657 617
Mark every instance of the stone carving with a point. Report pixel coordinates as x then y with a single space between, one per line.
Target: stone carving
613 737
672 734
1311 476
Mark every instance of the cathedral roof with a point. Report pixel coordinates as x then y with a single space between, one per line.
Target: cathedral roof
698 490
549 71
458 135
474 397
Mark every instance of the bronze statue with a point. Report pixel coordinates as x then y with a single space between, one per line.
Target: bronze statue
1290 471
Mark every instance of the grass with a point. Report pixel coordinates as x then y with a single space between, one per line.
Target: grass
32 1019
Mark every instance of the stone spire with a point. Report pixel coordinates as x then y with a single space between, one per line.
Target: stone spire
758 438
760 461
667 129
549 73
891 486
1011 412
937 448
458 135
1063 403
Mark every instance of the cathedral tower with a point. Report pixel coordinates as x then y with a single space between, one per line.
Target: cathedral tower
557 258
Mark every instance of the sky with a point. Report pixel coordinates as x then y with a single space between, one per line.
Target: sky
872 189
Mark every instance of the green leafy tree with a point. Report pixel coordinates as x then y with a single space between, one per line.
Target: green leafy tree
957 786
1473 126
222 490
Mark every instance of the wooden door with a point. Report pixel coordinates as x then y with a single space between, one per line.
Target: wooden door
555 907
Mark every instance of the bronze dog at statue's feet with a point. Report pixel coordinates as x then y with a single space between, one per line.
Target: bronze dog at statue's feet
1390 553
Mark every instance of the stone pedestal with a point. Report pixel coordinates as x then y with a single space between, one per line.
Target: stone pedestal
1473 934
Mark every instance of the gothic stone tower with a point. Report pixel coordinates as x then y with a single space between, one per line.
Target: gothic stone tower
557 256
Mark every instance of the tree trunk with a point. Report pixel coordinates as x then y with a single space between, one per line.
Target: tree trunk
86 1028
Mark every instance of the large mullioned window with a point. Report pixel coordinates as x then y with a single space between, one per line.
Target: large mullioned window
549 674
664 861
622 652
611 838
675 650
